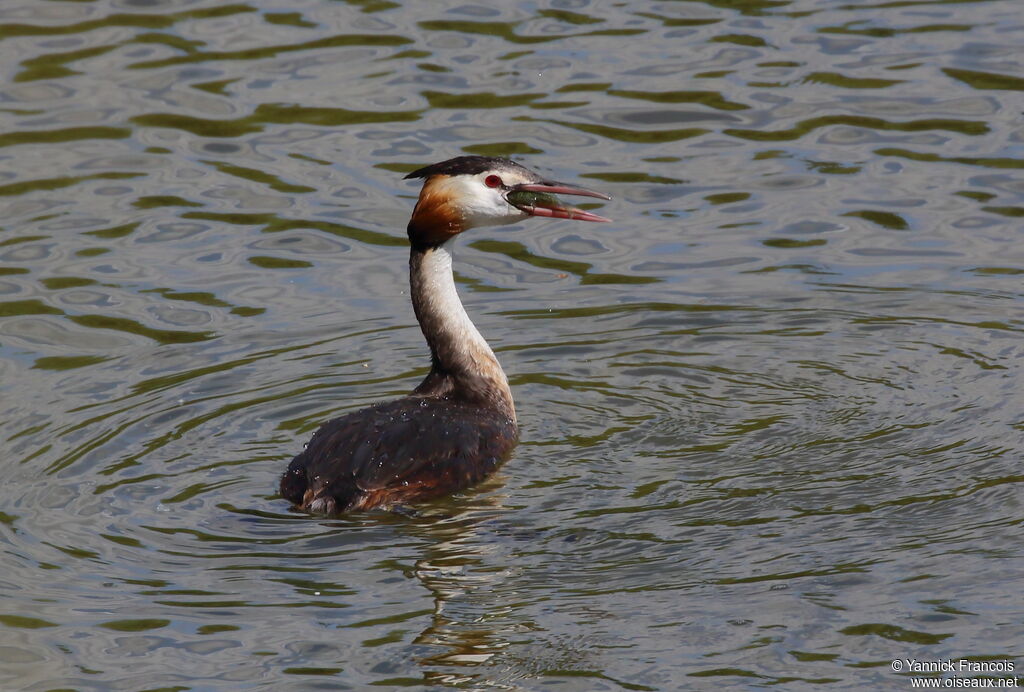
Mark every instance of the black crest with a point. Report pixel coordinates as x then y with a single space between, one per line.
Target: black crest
468 165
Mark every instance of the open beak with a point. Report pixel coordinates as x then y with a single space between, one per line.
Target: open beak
538 199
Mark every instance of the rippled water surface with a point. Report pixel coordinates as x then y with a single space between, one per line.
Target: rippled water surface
771 417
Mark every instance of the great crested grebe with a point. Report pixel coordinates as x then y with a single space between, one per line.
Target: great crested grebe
459 424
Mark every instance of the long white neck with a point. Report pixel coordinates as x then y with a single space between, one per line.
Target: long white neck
463 365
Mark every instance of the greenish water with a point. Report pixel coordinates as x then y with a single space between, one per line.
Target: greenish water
771 417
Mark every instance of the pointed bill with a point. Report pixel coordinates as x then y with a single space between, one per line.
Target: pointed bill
538 199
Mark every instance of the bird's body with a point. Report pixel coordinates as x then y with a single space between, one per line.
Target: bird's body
396 452
459 424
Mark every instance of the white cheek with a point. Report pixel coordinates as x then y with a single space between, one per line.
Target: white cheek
484 206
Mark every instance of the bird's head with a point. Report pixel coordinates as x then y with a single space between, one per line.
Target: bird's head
469 191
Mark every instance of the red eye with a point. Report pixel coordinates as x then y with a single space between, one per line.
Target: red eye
492 181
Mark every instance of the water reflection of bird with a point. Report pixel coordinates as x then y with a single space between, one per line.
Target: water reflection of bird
459 424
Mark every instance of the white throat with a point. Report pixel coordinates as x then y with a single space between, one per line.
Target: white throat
458 348
444 299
